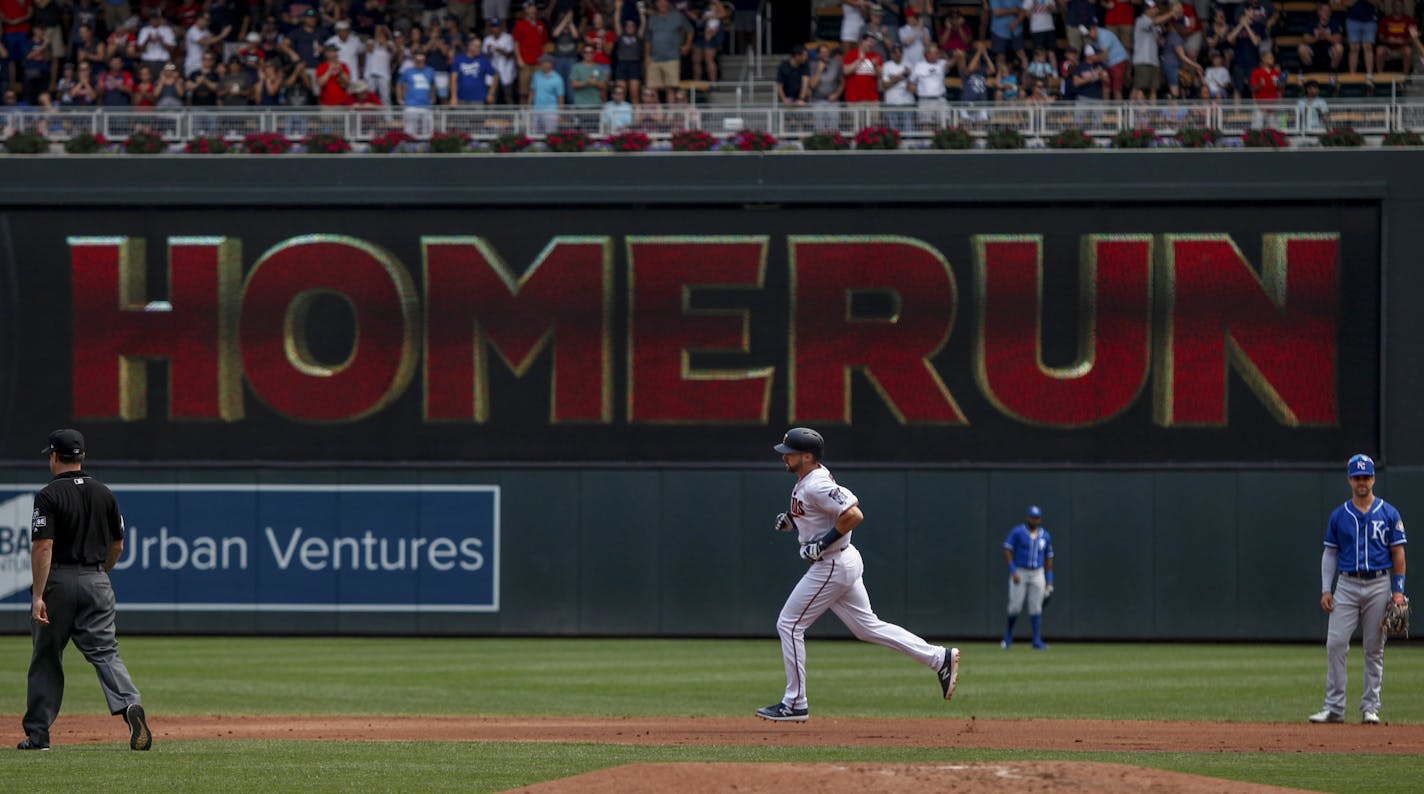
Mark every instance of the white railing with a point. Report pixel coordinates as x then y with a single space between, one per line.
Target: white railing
1098 119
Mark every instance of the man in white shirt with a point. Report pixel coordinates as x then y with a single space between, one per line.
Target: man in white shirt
499 48
927 83
197 41
156 43
349 47
895 90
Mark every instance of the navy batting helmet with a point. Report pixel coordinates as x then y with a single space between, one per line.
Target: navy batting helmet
801 439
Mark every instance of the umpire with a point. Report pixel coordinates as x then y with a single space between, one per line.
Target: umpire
76 536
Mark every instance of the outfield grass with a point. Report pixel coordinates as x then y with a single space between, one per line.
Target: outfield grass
672 677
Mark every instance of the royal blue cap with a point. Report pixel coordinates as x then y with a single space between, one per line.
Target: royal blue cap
1360 466
1034 512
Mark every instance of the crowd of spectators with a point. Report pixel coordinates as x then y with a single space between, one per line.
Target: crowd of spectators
899 52
363 53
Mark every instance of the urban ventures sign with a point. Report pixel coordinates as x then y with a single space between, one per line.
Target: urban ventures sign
640 346
290 548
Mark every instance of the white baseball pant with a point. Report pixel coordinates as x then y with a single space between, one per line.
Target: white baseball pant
834 582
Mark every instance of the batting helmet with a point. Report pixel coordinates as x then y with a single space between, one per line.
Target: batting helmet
801 439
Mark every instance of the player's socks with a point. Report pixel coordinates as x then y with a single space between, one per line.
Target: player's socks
1009 631
1037 621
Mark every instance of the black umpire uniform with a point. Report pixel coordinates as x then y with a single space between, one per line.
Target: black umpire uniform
76 536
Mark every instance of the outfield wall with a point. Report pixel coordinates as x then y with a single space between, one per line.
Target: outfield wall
549 384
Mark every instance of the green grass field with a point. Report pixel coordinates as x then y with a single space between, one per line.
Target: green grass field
673 677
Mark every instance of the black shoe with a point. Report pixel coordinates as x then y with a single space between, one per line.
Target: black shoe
140 738
949 672
784 713
31 744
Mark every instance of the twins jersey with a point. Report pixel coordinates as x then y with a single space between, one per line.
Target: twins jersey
816 502
1029 551
1364 539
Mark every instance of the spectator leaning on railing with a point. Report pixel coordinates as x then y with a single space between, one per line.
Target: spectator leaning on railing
862 72
332 77
1312 109
793 78
827 86
474 77
617 114
546 96
416 91
589 79
927 79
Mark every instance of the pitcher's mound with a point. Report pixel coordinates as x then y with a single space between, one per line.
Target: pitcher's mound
871 778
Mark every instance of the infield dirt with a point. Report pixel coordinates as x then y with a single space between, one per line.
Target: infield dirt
1083 735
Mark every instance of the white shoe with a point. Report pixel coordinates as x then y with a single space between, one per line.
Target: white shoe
1370 718
1327 716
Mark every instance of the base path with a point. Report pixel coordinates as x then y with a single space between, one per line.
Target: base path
1084 735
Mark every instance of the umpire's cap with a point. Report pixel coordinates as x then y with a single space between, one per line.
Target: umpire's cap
1034 511
1360 466
801 439
66 443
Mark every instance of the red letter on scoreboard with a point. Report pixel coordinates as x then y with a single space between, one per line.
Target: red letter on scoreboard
1276 329
117 331
1114 336
829 342
278 295
664 330
474 303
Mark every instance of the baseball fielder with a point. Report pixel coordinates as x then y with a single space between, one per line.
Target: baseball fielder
822 515
1029 552
1364 543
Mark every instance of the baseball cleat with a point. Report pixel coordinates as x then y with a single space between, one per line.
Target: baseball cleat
1326 716
140 738
949 672
1370 718
31 744
1040 646
781 712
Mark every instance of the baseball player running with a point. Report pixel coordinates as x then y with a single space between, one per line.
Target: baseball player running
822 515
1029 552
1364 543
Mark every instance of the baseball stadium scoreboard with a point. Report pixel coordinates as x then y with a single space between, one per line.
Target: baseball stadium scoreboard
956 335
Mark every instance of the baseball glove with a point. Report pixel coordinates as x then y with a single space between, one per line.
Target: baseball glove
1396 618
1047 595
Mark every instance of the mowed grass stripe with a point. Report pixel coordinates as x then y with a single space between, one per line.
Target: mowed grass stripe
240 766
583 677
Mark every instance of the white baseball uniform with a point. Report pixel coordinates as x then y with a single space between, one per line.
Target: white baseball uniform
833 582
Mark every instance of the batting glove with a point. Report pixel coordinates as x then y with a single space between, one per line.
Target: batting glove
784 523
812 551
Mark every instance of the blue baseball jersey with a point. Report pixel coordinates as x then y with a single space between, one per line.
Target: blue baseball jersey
1364 539
1029 551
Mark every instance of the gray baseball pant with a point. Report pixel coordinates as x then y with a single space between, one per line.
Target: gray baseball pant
1358 602
1028 590
80 603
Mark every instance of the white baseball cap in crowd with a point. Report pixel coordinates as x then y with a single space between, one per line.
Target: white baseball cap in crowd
1088 50
253 38
343 25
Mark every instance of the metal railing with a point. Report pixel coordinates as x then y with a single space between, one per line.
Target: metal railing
1099 119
